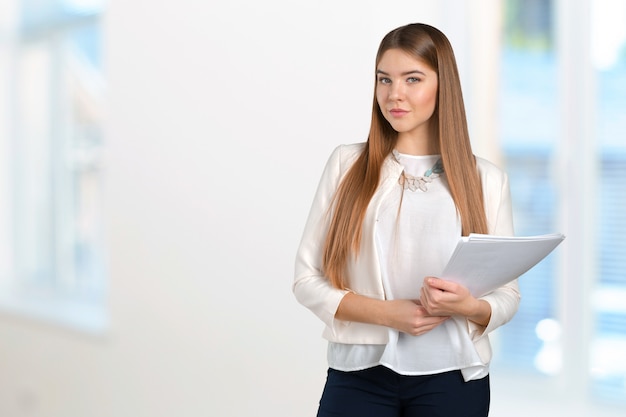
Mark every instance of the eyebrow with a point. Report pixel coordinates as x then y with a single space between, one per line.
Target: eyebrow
403 74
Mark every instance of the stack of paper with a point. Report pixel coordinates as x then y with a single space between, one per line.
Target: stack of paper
483 263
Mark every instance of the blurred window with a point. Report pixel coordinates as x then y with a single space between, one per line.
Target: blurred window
529 135
53 161
530 121
608 348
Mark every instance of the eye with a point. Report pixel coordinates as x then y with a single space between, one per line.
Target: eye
412 80
384 80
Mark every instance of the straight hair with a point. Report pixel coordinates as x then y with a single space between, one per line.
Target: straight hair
356 189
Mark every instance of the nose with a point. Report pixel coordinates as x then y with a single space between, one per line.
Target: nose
396 91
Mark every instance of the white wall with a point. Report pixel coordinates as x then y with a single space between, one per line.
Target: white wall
221 116
220 129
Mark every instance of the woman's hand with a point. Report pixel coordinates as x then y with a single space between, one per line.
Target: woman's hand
410 317
445 298
407 316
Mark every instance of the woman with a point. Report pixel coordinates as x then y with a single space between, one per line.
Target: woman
385 219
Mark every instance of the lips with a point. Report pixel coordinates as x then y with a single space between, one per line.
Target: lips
398 112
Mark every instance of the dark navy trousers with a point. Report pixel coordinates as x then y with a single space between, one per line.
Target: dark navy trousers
380 392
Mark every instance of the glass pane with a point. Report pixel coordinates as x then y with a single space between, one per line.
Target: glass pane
84 74
38 14
34 225
529 93
59 242
608 361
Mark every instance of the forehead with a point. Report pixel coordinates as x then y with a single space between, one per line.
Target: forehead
396 60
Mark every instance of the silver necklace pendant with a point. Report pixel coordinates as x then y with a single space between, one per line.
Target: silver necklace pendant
412 183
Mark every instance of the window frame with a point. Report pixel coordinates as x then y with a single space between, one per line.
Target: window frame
59 300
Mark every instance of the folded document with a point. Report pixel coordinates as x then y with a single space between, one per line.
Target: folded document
483 263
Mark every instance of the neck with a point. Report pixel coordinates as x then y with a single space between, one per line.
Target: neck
417 145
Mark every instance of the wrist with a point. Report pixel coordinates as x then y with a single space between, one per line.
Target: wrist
481 313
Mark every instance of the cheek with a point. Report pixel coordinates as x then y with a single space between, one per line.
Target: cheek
434 94
428 95
428 99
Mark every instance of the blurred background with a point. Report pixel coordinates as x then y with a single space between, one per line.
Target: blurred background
157 163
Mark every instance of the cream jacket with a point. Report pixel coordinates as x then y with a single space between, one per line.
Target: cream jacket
314 291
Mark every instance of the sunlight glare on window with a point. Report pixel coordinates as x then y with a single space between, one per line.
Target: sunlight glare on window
608 23
549 358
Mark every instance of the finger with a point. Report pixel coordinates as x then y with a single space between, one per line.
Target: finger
426 301
424 328
441 284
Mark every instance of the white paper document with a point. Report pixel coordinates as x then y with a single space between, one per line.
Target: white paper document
483 263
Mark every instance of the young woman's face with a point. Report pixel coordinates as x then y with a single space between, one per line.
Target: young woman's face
406 91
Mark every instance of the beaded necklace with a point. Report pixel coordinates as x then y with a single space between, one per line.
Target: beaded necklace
409 182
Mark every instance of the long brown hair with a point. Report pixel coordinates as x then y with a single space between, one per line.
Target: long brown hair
355 191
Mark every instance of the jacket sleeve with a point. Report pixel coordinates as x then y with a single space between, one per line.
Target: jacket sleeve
311 288
505 300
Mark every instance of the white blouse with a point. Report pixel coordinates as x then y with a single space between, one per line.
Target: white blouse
416 233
